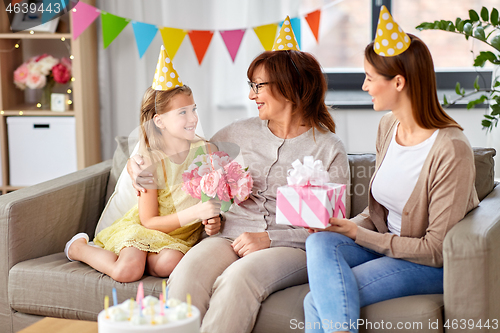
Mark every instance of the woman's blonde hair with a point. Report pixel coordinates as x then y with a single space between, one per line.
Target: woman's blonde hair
156 102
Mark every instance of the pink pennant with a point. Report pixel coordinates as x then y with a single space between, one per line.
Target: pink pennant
83 16
232 39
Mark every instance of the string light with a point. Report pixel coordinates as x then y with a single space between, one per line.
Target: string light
2 112
16 46
21 112
72 79
70 102
32 32
74 10
72 57
69 91
63 39
39 105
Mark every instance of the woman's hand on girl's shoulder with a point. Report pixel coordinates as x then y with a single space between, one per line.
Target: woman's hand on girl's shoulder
140 176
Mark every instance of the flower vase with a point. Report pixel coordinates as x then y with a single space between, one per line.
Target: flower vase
47 95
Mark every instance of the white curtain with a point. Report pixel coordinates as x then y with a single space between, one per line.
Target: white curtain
219 85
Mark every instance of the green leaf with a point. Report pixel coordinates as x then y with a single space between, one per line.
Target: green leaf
486 123
225 205
494 17
198 164
497 84
495 110
479 33
480 100
473 15
495 42
425 26
457 88
450 27
484 14
483 57
445 100
204 197
199 152
476 83
468 28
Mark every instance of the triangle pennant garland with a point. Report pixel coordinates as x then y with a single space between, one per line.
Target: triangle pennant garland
172 39
112 25
313 21
82 16
296 27
232 39
266 34
144 34
200 39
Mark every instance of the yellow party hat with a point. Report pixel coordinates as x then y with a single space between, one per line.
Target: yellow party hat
166 76
390 39
286 38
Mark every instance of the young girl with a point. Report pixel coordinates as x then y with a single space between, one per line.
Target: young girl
165 224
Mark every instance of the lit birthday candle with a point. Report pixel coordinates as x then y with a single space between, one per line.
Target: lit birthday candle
153 315
188 298
166 298
115 298
140 295
106 306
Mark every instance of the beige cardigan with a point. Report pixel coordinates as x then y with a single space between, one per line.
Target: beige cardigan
443 195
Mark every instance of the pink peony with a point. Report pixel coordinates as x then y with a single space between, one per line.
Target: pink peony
36 81
21 76
67 63
223 191
245 185
210 182
61 73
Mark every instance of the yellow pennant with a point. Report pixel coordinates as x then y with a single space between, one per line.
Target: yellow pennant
172 39
266 34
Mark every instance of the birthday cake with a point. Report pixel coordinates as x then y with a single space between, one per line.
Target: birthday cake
152 316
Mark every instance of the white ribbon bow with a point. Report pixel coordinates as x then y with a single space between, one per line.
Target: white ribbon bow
310 173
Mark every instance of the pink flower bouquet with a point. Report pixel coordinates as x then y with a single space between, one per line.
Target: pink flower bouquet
216 176
41 70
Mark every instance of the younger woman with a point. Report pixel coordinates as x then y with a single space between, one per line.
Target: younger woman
165 224
422 186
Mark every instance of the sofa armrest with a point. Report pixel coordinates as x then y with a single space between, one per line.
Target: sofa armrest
38 220
471 252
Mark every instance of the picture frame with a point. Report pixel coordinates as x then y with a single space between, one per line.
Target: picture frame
33 20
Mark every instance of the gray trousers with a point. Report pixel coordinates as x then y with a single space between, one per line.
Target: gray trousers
228 290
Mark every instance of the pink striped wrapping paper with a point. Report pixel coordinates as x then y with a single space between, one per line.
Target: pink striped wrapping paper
310 205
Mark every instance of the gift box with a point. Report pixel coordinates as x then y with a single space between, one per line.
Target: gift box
309 200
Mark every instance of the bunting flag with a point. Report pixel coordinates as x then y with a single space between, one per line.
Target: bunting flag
313 21
232 39
112 25
83 15
266 34
296 30
172 39
144 34
49 13
200 39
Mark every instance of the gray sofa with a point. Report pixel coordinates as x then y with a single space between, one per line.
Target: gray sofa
37 280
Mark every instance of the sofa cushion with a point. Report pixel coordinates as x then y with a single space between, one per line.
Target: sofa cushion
55 287
485 171
362 167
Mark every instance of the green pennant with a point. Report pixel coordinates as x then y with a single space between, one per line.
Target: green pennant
112 25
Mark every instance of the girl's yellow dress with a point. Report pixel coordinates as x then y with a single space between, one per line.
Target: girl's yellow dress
128 230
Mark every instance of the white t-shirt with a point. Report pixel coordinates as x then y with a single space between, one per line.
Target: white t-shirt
397 176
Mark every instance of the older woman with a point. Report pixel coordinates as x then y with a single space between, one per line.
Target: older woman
230 275
422 186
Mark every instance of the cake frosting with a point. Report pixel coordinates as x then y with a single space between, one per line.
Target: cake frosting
129 317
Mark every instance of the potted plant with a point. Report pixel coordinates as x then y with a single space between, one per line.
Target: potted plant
485 28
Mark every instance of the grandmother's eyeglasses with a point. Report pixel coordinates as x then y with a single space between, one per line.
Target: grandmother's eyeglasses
256 86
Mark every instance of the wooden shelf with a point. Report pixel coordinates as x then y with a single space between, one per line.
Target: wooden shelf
36 35
85 96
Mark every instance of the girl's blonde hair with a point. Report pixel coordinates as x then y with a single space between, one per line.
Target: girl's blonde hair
156 102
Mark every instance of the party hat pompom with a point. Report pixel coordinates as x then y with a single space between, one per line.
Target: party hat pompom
166 76
286 38
390 39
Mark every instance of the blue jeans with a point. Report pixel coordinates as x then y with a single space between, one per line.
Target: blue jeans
344 277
